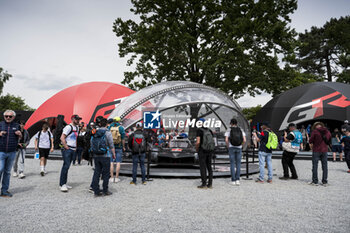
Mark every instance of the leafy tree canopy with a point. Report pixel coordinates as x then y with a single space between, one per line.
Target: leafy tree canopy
324 53
4 76
233 45
250 113
15 103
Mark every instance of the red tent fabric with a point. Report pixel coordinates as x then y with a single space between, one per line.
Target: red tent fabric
88 100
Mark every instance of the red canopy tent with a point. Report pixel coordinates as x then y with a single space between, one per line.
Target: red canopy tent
88 100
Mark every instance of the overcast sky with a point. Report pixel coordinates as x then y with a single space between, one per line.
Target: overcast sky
49 45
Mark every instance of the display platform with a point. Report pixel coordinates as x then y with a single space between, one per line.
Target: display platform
222 170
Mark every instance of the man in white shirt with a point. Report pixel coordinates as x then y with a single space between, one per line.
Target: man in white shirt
44 143
235 138
69 143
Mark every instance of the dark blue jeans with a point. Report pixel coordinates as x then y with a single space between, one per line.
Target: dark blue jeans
316 156
235 162
77 154
67 156
102 166
135 159
6 162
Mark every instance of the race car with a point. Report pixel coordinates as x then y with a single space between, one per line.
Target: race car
179 150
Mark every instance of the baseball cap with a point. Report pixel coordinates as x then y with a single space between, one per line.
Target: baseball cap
75 116
291 125
202 119
110 121
116 119
346 121
138 125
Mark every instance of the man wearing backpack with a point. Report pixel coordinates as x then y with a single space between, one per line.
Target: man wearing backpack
265 152
118 134
293 142
235 138
205 146
44 143
319 141
101 148
137 143
69 142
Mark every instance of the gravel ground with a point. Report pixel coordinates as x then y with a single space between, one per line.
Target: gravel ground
176 205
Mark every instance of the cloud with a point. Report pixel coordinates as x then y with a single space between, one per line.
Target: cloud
48 82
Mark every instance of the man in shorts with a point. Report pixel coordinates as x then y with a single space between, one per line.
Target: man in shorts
118 134
44 143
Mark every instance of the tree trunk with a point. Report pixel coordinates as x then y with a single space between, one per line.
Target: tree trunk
329 69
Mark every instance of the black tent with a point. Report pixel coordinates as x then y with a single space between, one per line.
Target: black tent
327 101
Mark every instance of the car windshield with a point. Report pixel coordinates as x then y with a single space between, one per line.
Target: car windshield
179 144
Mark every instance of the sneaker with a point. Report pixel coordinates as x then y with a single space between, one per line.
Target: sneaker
294 178
117 180
313 184
6 194
259 181
202 186
111 180
64 188
233 183
209 186
283 178
91 190
132 182
269 181
144 182
45 172
21 175
68 187
108 193
325 184
237 183
15 174
42 173
98 194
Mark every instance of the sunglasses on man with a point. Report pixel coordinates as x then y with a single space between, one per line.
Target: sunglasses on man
8 116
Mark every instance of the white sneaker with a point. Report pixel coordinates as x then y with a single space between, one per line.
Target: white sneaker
237 183
233 183
15 174
45 171
64 188
68 187
117 180
21 175
111 180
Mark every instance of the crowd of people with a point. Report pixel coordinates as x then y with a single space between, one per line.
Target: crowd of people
103 143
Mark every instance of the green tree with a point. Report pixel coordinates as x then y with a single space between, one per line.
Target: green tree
4 76
250 113
324 53
13 102
233 45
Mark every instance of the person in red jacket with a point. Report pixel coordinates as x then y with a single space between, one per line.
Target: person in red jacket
319 141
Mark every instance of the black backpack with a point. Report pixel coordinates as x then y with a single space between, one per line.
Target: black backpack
326 140
138 143
208 143
236 136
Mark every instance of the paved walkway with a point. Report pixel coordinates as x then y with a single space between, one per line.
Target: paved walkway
176 205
